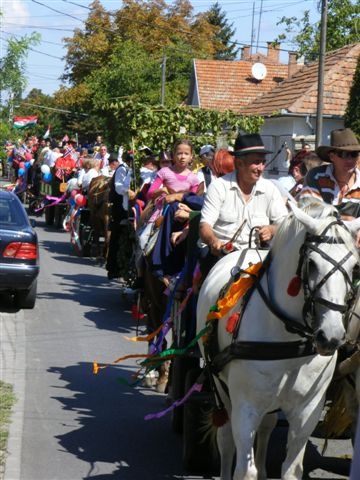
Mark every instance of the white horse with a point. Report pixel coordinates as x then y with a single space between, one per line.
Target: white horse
283 354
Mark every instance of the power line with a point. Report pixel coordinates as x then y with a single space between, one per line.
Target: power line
55 109
57 11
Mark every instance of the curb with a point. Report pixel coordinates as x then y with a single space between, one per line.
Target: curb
13 365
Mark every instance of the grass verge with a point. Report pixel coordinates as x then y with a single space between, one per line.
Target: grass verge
7 400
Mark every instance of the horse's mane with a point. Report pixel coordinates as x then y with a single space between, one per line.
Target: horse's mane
291 229
98 184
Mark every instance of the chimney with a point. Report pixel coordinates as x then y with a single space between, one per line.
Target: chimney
273 51
293 66
245 52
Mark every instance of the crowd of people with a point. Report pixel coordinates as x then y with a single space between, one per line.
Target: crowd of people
225 189
175 213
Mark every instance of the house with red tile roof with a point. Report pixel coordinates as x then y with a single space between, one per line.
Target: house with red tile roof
231 85
286 96
290 108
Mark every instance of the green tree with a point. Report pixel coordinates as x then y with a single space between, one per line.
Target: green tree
12 65
159 127
146 31
226 49
89 48
343 28
352 114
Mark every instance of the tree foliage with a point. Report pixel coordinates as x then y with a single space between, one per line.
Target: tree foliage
225 48
12 65
88 49
119 54
352 114
343 28
135 124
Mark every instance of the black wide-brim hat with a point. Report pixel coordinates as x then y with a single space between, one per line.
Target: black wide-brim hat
343 139
249 143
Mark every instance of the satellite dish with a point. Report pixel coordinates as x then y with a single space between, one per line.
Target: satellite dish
258 71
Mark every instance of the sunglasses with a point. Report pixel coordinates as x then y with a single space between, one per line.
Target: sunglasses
344 154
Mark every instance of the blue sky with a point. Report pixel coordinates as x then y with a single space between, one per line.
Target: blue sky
44 65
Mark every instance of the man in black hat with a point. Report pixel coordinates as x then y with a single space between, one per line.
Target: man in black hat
119 196
241 198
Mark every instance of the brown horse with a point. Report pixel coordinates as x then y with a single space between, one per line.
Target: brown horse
98 204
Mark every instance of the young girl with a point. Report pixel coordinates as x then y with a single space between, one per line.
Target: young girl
169 186
175 178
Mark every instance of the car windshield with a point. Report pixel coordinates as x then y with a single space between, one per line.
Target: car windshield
11 213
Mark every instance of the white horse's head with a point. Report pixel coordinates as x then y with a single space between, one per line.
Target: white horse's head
327 264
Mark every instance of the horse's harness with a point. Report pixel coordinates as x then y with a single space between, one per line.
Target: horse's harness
252 350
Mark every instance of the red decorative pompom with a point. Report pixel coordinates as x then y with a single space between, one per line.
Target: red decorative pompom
232 322
228 248
294 286
135 313
220 417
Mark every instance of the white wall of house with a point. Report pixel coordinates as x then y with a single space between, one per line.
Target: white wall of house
277 132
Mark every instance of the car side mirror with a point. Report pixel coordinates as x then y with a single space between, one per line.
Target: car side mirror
33 222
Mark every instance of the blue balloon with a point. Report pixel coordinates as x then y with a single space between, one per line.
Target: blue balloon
47 177
27 164
21 172
72 202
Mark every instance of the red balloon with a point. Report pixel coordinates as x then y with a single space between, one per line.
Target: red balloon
22 165
80 200
74 193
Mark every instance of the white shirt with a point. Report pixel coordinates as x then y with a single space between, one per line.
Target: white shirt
287 182
50 158
88 176
225 210
201 177
104 159
122 180
147 175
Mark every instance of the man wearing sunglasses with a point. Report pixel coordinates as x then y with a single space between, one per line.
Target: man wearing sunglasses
337 182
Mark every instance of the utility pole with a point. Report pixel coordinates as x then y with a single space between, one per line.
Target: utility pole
11 106
252 29
322 52
163 77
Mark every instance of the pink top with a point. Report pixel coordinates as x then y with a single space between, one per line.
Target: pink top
176 182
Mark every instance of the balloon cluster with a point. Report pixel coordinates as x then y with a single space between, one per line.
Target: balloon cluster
77 199
23 166
47 176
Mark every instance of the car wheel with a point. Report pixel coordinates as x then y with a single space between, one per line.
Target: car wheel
27 298
200 452
179 368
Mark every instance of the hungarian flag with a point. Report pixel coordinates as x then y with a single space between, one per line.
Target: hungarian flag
24 122
47 133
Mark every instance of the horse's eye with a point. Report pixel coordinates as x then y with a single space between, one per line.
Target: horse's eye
311 265
356 276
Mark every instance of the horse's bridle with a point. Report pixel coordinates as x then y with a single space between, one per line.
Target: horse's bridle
310 295
253 350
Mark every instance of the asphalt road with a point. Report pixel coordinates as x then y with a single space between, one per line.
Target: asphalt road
69 424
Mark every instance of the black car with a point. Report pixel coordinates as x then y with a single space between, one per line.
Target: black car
19 252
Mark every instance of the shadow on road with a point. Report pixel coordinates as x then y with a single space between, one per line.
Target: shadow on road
313 459
111 434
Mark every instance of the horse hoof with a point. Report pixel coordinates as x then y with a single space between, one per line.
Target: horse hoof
161 385
150 380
